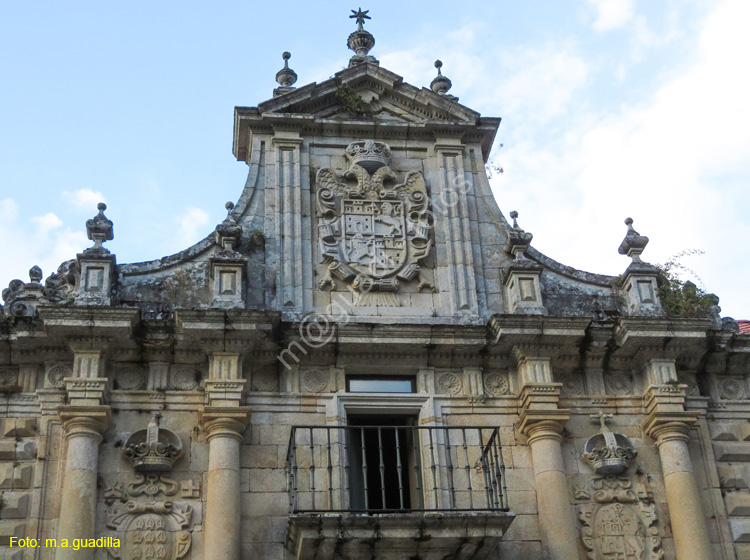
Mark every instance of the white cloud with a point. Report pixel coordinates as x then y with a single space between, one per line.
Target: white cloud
84 198
676 162
192 226
44 242
611 14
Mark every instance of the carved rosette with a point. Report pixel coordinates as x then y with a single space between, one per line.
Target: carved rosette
185 377
265 379
130 378
732 388
57 374
314 380
572 384
373 235
619 384
617 524
449 383
496 384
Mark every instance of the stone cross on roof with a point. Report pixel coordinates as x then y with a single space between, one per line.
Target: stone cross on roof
602 418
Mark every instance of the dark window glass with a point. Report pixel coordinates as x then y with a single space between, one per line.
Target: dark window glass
380 384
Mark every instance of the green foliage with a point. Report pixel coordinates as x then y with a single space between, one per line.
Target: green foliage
682 298
353 102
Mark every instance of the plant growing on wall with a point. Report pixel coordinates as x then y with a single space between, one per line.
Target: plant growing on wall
683 298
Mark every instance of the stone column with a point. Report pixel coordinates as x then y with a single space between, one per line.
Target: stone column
669 424
224 427
82 427
543 423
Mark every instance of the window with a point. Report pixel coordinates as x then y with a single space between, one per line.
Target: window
380 384
383 472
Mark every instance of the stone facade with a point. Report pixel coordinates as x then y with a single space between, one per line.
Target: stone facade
205 405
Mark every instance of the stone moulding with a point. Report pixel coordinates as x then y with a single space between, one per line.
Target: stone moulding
460 536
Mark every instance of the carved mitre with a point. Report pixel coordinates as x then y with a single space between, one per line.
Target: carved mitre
369 154
153 450
608 453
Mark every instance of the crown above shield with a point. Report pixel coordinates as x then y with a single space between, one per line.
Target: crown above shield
369 154
153 449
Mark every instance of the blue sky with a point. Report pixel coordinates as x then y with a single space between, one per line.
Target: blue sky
611 108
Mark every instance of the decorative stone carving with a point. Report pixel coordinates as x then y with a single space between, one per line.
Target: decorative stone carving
361 41
151 485
608 453
62 287
617 525
8 379
185 377
99 229
314 380
265 379
373 235
57 374
496 384
731 388
572 384
286 77
130 378
691 389
618 384
450 383
156 530
21 298
440 84
153 450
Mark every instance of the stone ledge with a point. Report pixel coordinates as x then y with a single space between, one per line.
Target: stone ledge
397 536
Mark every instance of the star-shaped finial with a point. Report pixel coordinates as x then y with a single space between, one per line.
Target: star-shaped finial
360 16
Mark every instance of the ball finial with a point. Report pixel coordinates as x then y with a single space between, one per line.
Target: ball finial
286 55
101 207
229 206
628 221
438 64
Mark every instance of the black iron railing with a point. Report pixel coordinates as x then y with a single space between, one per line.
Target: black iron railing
390 469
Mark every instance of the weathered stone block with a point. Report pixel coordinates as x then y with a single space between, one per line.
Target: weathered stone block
740 529
7 449
15 505
738 503
10 529
724 431
732 451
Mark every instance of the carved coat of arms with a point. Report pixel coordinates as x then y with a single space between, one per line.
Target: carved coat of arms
373 232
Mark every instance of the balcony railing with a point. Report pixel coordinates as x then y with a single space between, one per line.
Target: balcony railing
392 469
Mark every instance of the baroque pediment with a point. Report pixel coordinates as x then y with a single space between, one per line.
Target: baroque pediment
371 92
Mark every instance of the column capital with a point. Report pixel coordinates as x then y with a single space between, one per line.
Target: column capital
86 421
219 421
666 417
543 424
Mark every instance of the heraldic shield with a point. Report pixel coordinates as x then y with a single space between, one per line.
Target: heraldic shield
151 531
372 233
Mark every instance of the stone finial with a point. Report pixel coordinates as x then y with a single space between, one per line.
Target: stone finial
154 449
228 233
286 77
99 229
360 41
440 84
608 453
633 244
518 241
35 274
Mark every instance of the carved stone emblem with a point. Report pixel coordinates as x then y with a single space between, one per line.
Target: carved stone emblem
130 379
150 528
572 384
314 381
607 452
619 384
731 389
57 374
616 525
375 233
265 379
449 383
185 377
496 384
